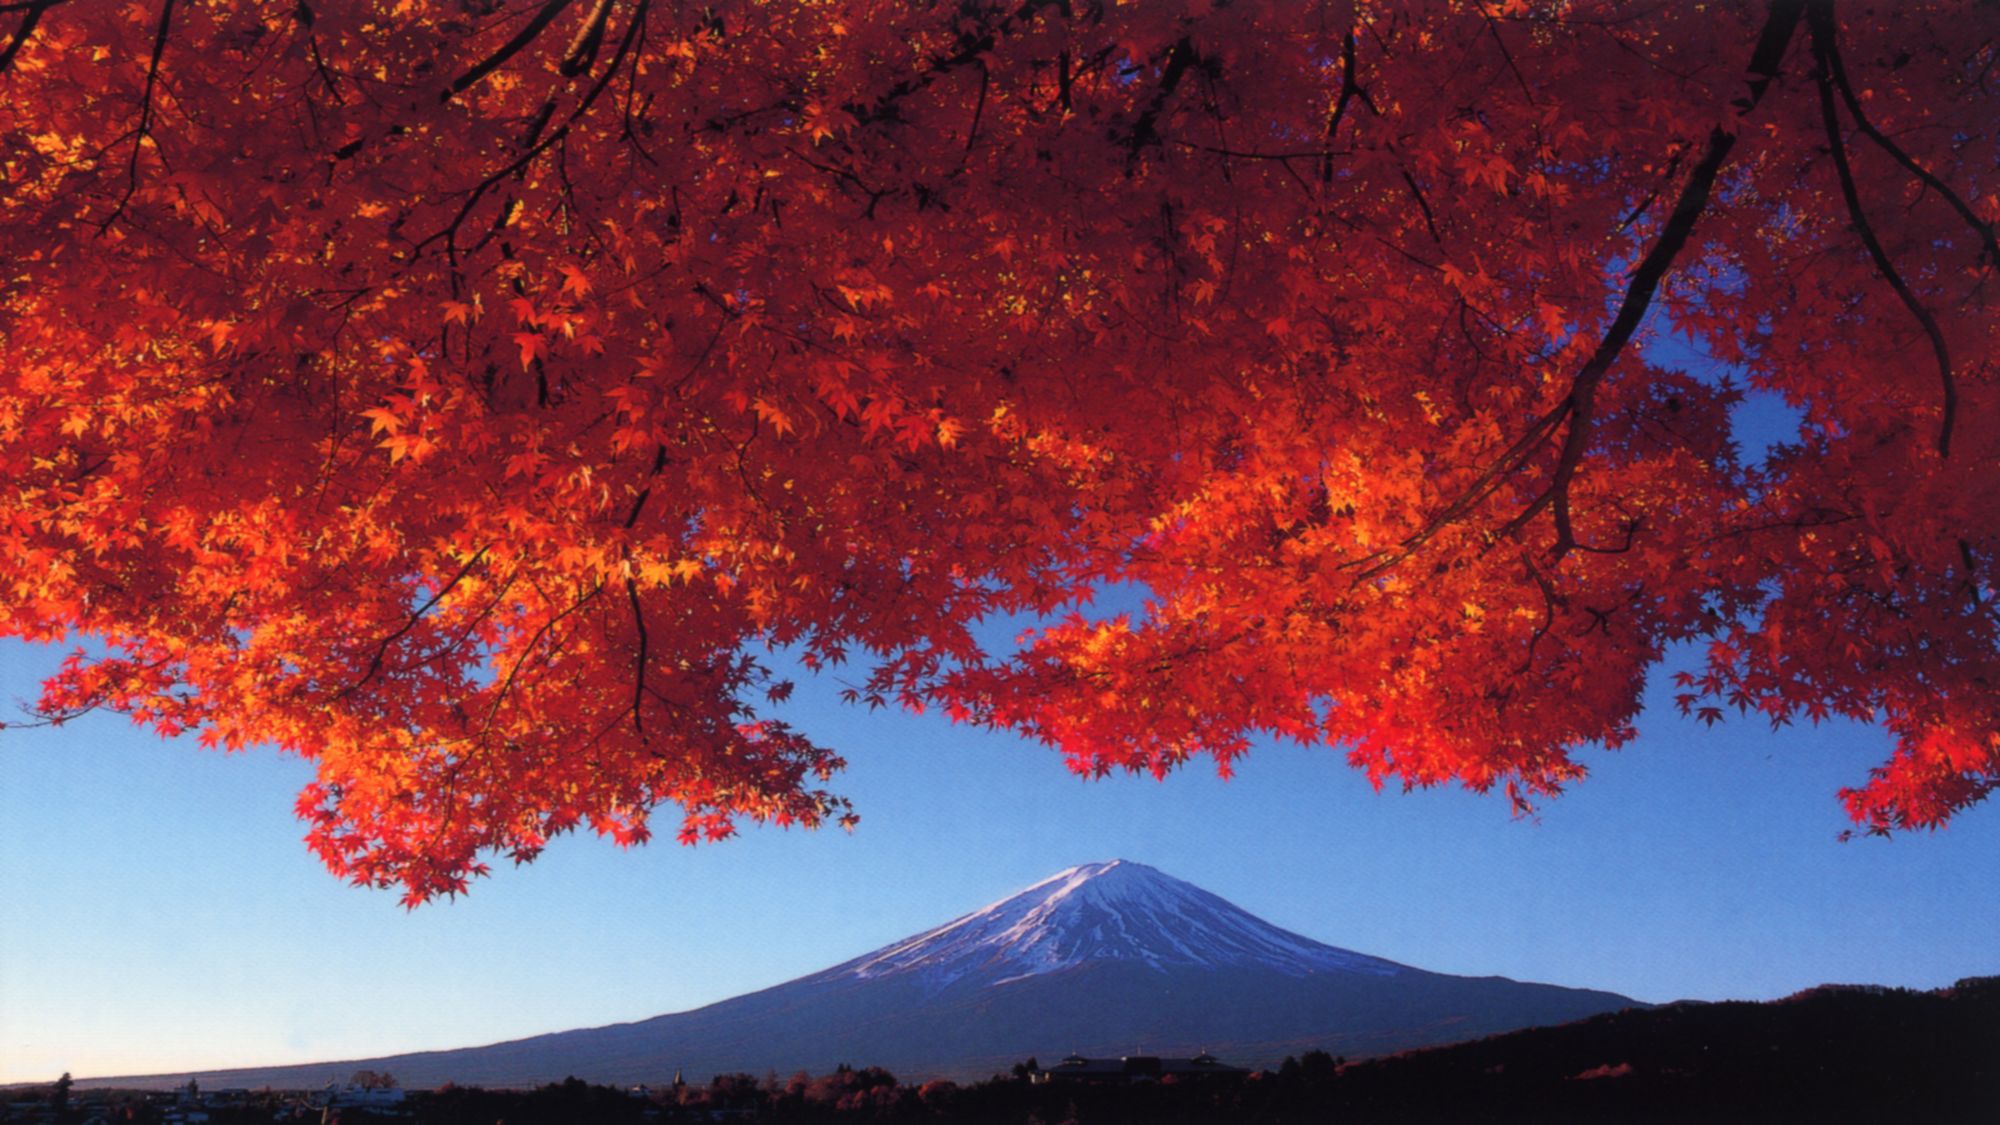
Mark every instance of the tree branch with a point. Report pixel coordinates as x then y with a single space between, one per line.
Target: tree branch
1146 130
1764 63
1577 405
1512 458
32 15
978 111
639 671
382 650
1826 40
529 32
1673 166
1424 205
646 493
145 130
478 192
1349 89
971 48
583 48
1821 23
528 649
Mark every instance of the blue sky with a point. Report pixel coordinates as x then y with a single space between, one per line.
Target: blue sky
161 913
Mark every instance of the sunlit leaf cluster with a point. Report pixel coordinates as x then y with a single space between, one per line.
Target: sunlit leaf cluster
466 395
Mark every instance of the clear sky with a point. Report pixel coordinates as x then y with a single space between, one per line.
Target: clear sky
160 912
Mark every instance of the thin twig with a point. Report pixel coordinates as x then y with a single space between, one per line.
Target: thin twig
382 650
145 129
1349 90
639 674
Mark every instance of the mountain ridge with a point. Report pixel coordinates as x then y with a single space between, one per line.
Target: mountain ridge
1108 958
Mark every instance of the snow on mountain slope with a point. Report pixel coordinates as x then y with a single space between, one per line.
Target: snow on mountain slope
1097 912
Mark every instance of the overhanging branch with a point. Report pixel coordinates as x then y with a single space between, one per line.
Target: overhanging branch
31 14
145 130
1764 63
529 32
1826 40
1821 23
1577 406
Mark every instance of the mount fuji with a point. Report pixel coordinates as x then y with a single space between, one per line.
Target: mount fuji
1103 959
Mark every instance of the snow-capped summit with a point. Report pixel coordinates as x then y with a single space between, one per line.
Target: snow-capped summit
1098 912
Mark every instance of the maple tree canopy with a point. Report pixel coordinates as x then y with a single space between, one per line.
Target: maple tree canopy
463 394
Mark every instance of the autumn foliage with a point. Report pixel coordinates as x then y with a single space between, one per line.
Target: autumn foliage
463 394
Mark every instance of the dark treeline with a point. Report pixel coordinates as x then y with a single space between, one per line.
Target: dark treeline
1835 1054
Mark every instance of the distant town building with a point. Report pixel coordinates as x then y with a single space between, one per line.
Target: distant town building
1132 1069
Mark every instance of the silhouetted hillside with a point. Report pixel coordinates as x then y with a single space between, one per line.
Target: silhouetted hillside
1829 1054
